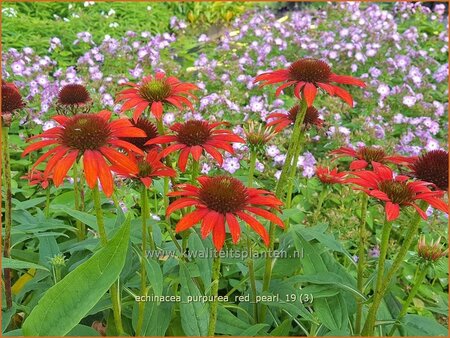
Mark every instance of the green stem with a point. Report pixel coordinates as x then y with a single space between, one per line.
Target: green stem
361 260
251 167
214 293
408 240
116 307
323 194
144 216
76 190
8 214
47 201
114 290
195 171
161 131
279 191
250 264
371 317
99 215
417 283
293 171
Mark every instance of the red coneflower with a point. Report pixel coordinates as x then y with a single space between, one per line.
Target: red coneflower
150 130
192 137
307 75
281 120
432 167
221 200
397 191
365 155
36 177
148 166
92 137
330 177
11 98
73 94
153 92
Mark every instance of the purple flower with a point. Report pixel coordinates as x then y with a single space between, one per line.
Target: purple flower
409 100
374 252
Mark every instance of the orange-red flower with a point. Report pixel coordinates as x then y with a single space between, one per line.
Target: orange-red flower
307 75
91 136
281 120
365 155
192 137
397 191
221 200
153 92
330 177
150 130
149 167
36 177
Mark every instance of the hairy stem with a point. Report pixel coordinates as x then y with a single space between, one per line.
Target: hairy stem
279 192
361 260
378 297
8 214
114 290
417 283
214 293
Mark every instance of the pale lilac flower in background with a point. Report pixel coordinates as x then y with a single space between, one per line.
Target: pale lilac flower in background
231 164
374 252
272 151
205 168
168 118
259 166
409 101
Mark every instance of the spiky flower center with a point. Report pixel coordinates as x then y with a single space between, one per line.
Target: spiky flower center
193 133
370 154
145 169
155 90
311 115
257 135
310 70
398 192
73 94
224 194
148 127
433 167
11 99
85 132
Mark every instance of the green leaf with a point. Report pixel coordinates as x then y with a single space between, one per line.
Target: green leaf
27 204
204 264
253 330
283 329
155 276
194 315
16 264
228 323
83 331
423 326
156 318
80 290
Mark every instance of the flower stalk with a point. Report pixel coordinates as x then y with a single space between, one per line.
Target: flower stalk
417 283
114 290
145 210
250 265
371 317
408 240
281 186
76 190
8 213
361 260
214 293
